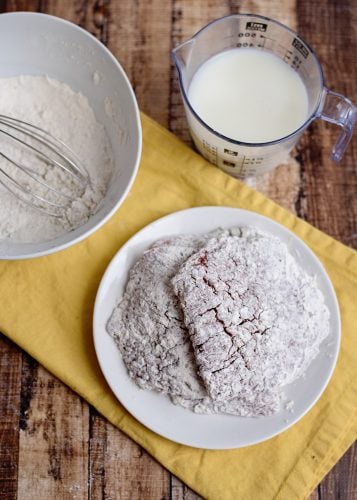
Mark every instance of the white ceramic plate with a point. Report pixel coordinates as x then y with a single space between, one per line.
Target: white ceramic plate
156 411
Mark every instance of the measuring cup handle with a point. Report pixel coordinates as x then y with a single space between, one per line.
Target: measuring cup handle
336 108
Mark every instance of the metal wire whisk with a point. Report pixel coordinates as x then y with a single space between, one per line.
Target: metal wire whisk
29 181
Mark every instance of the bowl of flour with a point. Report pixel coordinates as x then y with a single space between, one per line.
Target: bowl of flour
59 77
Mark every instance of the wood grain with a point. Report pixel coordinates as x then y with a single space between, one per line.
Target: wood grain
52 444
340 483
146 57
180 491
10 401
119 468
329 190
53 449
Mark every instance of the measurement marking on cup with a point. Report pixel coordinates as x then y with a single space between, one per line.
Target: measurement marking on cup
256 26
211 151
230 152
274 45
243 171
300 47
288 56
296 63
245 45
229 163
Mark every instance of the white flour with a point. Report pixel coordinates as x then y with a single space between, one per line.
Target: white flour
68 116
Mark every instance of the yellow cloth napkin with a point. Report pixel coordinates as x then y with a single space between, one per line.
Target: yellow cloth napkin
46 307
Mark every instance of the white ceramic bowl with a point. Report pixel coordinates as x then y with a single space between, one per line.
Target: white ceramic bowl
38 44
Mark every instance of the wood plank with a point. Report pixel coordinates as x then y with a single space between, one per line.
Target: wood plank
132 42
179 491
329 190
341 482
72 11
53 450
187 18
119 468
20 5
138 34
53 439
314 495
10 390
326 197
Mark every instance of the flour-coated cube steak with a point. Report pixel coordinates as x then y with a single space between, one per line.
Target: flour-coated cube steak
148 327
255 318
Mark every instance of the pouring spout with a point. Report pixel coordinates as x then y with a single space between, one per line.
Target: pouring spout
182 53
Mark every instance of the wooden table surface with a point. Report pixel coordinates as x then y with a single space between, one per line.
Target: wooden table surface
52 443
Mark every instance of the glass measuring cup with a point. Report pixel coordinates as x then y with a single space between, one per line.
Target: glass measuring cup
242 159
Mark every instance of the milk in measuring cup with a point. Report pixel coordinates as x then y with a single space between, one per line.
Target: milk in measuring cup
249 95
